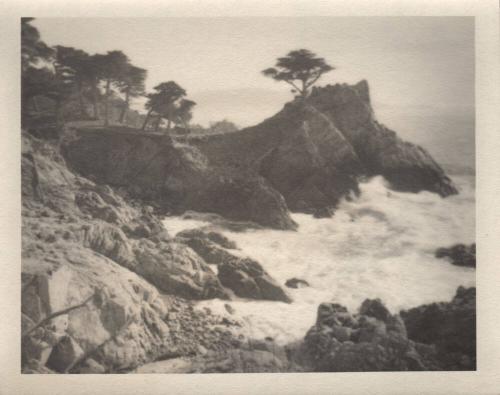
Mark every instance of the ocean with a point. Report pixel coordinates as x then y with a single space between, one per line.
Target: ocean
379 245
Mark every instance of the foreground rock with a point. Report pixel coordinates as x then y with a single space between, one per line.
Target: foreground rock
459 254
449 326
247 279
432 337
306 158
244 276
246 357
373 340
88 253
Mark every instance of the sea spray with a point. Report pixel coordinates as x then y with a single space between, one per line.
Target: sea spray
379 245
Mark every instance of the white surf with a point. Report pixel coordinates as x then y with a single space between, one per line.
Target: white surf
379 245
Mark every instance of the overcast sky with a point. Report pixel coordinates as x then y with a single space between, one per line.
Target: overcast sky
420 65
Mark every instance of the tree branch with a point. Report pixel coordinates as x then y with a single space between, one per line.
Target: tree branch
295 86
56 314
314 80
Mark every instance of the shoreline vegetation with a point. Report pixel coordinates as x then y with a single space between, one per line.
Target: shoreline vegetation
107 289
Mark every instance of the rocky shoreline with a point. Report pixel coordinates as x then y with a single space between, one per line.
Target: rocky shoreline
106 288
305 159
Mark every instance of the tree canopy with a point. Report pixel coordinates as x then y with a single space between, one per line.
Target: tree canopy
67 77
164 102
300 68
33 49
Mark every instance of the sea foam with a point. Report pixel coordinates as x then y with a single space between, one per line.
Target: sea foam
378 245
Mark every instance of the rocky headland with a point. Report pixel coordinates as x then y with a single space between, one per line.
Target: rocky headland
106 288
304 159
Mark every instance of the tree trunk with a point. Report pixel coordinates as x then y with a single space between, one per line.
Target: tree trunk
106 103
83 111
158 121
169 123
146 120
303 91
125 107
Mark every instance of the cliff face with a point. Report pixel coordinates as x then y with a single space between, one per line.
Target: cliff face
173 176
305 158
97 263
406 166
103 283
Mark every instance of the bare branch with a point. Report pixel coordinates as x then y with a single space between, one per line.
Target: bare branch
56 314
295 86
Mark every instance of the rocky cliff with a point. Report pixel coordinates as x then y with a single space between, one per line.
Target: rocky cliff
103 283
305 158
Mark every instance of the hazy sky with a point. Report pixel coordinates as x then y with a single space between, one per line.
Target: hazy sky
418 65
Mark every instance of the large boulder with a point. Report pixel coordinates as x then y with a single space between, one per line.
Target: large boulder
176 269
373 340
459 254
440 336
450 326
247 279
113 315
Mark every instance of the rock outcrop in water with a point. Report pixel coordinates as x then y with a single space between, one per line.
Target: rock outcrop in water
440 336
451 327
244 276
305 158
459 254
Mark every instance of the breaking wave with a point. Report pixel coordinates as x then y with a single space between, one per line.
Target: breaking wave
379 245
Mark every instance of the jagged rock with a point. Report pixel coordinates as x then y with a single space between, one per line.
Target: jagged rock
69 255
109 241
450 326
91 203
247 279
459 254
372 340
406 166
176 269
208 250
374 308
214 237
435 337
296 283
64 354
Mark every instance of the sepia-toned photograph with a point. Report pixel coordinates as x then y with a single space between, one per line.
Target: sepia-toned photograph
248 194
